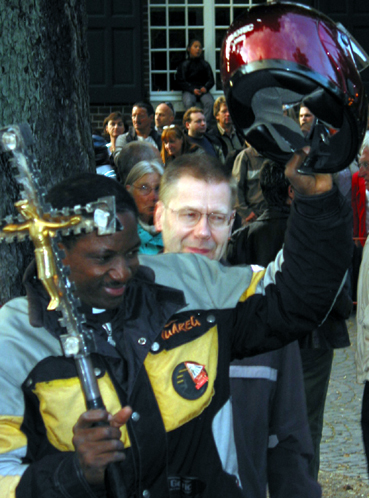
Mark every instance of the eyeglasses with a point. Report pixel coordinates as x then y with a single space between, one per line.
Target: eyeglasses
364 164
169 126
146 189
191 217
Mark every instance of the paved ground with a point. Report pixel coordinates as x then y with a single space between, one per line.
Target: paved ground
342 455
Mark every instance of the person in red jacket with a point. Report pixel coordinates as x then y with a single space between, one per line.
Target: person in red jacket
359 194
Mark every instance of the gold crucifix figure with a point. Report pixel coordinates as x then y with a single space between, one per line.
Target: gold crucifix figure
41 231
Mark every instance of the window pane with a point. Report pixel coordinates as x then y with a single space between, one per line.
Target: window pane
219 37
175 58
217 60
245 3
172 82
195 16
177 39
159 61
158 16
159 82
199 2
173 2
218 83
237 11
177 17
158 38
222 16
198 34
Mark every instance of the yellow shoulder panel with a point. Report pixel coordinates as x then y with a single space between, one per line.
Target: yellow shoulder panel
250 291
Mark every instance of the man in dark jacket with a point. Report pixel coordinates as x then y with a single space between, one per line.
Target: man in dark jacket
271 431
224 130
165 357
259 244
142 119
195 124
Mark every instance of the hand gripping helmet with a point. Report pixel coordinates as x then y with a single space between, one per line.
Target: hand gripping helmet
280 54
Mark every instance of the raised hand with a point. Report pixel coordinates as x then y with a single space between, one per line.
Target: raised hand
306 184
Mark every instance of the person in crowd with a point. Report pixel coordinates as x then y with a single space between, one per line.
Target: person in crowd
195 78
167 358
359 204
362 349
306 119
131 154
359 194
113 127
224 130
259 244
143 183
142 119
195 123
164 116
271 431
175 143
102 157
246 169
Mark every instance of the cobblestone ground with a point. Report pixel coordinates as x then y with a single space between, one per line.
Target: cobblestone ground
342 460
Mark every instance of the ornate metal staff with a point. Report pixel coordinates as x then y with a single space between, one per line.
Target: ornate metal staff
43 224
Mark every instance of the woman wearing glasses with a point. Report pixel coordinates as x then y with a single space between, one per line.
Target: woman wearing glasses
175 143
143 182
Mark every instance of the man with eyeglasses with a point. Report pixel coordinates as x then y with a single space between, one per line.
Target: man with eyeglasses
164 116
195 213
195 216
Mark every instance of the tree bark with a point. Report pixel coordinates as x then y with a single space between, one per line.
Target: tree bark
44 81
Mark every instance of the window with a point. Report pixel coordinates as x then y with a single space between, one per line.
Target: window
173 23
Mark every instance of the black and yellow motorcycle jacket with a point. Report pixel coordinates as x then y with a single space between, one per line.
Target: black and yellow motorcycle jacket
170 362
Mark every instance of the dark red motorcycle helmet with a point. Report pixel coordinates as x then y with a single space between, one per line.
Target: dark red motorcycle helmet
279 54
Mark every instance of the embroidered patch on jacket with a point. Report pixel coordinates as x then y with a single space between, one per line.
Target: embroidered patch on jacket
176 327
190 380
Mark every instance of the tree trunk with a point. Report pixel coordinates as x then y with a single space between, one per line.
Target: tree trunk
44 81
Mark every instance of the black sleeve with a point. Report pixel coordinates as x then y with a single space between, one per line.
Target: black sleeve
299 288
56 476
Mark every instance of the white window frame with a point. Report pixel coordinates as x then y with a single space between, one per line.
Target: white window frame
209 45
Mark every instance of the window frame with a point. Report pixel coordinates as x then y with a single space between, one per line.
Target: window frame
210 50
